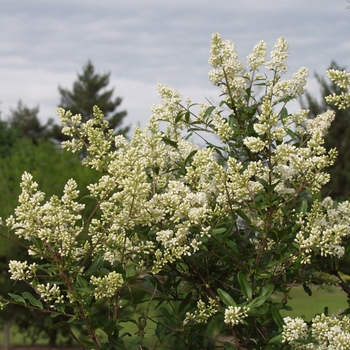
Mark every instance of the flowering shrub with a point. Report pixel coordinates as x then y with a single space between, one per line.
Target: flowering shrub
194 240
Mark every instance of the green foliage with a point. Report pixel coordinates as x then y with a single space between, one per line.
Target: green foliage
26 120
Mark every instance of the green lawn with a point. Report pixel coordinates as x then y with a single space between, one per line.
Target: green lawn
304 305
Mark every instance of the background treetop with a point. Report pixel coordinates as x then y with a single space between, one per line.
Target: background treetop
90 89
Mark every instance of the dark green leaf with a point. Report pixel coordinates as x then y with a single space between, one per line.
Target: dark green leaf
82 282
161 331
58 325
32 300
277 317
226 298
242 214
276 339
208 112
17 298
307 289
169 142
87 344
216 231
96 264
245 286
257 302
135 341
267 290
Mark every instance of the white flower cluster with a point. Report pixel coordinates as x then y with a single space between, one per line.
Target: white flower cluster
294 330
279 56
94 135
53 222
236 314
328 332
227 67
258 57
2 305
21 270
222 128
106 286
203 312
342 79
50 292
323 229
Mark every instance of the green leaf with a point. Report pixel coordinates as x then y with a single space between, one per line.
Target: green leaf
17 298
226 298
189 157
82 282
169 142
178 117
284 113
166 314
242 214
208 112
307 289
136 341
96 264
87 344
257 302
303 207
245 286
276 339
32 300
185 302
277 317
58 325
267 290
160 331
60 307
216 231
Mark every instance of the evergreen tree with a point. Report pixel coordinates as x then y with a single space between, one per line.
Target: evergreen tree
26 120
337 137
89 90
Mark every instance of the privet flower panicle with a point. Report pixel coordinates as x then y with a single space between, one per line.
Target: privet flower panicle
50 292
227 68
279 56
18 270
293 330
203 312
323 231
328 332
107 286
236 314
258 57
341 79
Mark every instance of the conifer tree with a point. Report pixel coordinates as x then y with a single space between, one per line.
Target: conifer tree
26 120
338 135
90 89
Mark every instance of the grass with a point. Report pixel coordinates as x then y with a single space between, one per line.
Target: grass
308 306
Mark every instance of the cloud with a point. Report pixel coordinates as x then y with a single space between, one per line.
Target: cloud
45 44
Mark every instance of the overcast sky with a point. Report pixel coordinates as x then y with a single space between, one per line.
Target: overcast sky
44 44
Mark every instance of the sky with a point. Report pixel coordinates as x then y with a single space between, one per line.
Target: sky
44 44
